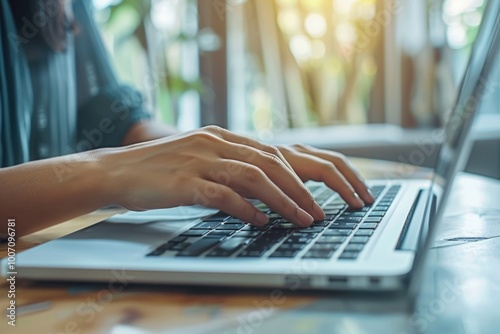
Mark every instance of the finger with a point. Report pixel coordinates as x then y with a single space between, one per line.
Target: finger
348 171
355 179
250 179
237 139
286 179
221 197
317 169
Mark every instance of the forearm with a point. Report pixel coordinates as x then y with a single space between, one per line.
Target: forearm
43 193
146 131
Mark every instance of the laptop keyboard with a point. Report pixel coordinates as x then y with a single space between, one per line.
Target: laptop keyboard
343 233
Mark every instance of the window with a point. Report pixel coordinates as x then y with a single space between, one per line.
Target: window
270 65
154 45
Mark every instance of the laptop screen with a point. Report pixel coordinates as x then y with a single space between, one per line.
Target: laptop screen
475 85
456 139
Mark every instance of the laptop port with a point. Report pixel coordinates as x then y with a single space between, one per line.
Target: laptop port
338 280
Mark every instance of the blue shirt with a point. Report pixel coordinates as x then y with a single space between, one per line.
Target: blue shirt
63 102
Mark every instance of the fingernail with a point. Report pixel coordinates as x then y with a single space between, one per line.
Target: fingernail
360 202
318 212
304 218
370 193
261 218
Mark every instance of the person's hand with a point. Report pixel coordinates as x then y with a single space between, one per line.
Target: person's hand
329 167
212 167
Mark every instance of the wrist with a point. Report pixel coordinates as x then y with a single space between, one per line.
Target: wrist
146 131
96 174
113 171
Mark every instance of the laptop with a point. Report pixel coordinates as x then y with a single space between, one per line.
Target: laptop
377 248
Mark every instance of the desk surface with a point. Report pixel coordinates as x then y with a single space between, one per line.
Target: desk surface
460 290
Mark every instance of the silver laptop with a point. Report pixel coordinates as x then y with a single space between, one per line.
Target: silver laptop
377 248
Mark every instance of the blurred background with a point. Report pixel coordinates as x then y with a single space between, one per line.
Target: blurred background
351 75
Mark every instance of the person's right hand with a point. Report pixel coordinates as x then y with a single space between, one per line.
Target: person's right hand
212 167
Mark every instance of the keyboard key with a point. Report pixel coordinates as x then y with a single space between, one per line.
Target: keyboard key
250 234
354 247
331 211
255 251
333 246
229 247
320 252
233 221
252 253
330 216
348 219
258 247
291 246
337 201
230 226
321 223
325 194
353 214
275 221
274 236
300 234
341 225
313 187
314 254
233 243
341 232
262 207
199 247
359 240
373 219
206 225
363 209
220 234
363 233
284 253
285 225
311 229
194 233
349 255
381 208
370 226
298 240
377 214
156 252
334 207
331 239
249 227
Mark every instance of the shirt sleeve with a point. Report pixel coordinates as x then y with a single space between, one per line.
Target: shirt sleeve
15 94
106 108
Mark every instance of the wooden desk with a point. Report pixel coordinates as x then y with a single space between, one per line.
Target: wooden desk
459 295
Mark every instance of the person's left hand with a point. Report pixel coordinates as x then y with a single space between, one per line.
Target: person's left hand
329 167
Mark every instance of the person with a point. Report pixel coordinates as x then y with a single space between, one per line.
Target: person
74 139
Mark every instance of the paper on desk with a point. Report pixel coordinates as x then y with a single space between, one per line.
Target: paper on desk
172 214
471 225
